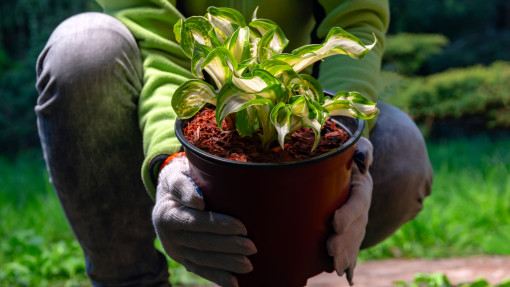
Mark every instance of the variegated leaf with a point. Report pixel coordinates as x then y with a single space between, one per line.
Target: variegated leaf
351 104
225 21
312 115
281 70
192 96
200 53
256 82
217 66
239 44
272 43
281 120
247 122
193 30
337 42
232 100
312 88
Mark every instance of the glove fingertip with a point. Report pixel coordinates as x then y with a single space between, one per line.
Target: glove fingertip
234 282
251 249
231 281
349 273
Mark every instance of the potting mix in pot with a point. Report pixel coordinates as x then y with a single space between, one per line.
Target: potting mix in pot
254 104
202 132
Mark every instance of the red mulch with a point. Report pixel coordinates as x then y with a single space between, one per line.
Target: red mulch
203 133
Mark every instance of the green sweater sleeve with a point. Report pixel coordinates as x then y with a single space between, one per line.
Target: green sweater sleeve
363 19
165 68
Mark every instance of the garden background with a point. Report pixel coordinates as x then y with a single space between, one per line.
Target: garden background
448 66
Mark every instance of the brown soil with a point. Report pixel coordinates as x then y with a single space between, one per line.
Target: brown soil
203 133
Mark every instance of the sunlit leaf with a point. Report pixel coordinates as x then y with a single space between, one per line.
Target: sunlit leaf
337 42
256 82
312 115
239 44
177 30
281 70
262 25
268 130
216 65
281 119
272 43
231 100
225 21
193 30
200 53
192 96
275 93
351 104
290 59
312 88
254 14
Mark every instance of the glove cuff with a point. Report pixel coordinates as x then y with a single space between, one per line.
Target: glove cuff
175 155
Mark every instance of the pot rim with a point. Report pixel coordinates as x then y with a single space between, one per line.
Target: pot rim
179 125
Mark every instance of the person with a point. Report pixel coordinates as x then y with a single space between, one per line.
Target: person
105 81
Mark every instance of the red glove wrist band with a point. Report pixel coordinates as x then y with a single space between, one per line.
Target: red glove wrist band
178 154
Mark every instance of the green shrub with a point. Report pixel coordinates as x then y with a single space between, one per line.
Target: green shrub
474 91
406 53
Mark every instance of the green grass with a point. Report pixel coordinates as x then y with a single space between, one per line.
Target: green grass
467 214
37 246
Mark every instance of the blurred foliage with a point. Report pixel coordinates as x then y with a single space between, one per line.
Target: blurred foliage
478 30
25 26
482 91
406 53
38 263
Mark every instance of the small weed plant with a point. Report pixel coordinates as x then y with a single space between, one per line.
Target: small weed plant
440 280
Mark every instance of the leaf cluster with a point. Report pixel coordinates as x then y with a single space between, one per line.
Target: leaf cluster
255 81
406 53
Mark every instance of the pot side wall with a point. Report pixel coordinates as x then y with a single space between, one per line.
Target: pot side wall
287 211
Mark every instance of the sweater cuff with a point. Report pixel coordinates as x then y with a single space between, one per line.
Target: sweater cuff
155 166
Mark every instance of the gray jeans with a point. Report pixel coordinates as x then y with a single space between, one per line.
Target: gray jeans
93 153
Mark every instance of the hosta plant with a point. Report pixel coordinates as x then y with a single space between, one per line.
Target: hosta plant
262 89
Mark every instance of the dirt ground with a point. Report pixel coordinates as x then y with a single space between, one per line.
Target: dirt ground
382 273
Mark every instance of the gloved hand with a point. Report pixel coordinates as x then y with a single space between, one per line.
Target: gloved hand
206 243
351 219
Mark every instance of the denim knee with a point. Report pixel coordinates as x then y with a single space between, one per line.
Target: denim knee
86 52
401 171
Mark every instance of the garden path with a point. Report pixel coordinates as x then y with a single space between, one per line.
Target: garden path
382 273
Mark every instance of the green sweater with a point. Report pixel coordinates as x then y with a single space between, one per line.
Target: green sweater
166 67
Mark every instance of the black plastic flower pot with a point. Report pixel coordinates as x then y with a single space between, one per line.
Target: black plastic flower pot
287 208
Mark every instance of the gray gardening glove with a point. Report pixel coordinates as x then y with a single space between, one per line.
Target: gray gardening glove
206 243
351 219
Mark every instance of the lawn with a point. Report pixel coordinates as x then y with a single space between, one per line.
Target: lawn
468 212
470 200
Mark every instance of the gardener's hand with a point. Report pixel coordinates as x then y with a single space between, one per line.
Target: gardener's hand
206 243
351 219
